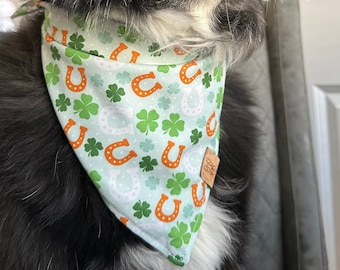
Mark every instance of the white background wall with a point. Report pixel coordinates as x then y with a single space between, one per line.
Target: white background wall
320 22
321 36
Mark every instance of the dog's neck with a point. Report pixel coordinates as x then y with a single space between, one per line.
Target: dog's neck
113 40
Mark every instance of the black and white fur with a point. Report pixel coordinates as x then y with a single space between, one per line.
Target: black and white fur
51 216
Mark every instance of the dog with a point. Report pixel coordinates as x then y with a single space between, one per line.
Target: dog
51 213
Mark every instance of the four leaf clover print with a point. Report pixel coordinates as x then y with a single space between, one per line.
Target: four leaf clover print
55 53
148 164
93 147
207 80
148 122
174 125
85 107
196 136
96 178
142 209
179 235
74 50
154 49
52 74
130 37
62 103
105 37
177 183
115 93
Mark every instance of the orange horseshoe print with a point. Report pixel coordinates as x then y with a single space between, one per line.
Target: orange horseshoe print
165 156
197 202
116 161
50 38
134 57
70 85
211 132
135 85
117 51
183 73
64 38
77 143
159 209
124 220
179 51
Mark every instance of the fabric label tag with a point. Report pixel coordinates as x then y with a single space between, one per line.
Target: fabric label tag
209 167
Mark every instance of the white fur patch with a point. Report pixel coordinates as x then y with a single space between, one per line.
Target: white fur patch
192 28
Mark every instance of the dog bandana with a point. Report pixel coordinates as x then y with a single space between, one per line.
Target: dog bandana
140 119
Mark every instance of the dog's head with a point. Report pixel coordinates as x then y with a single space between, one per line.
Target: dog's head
207 25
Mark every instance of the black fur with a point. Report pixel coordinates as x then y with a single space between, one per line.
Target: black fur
51 216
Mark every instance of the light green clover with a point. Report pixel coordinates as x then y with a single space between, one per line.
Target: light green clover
179 235
148 122
174 125
52 74
177 182
85 107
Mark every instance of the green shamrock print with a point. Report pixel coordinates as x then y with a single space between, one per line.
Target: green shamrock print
206 64
174 125
130 37
177 182
218 72
195 225
62 103
80 22
77 41
74 50
52 74
148 164
47 22
188 210
154 49
165 68
96 53
210 97
152 182
206 80
173 88
177 260
95 177
146 145
85 107
124 77
142 209
114 93
196 136
93 147
105 37
164 103
97 80
219 97
179 235
148 121
76 56
201 122
55 53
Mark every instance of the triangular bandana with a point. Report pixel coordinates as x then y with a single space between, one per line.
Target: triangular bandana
140 120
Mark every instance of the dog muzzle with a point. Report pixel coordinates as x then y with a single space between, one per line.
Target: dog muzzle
143 121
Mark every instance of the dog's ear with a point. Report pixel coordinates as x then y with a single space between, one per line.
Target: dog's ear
244 19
